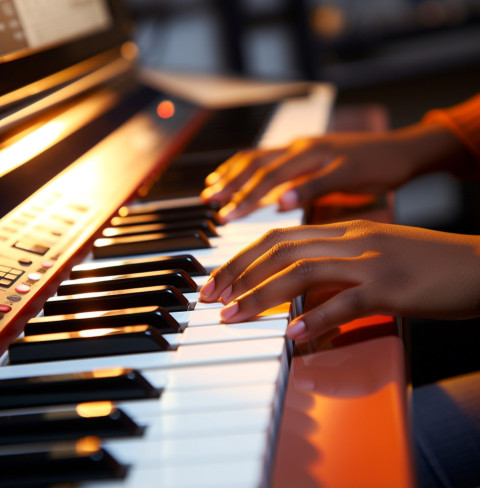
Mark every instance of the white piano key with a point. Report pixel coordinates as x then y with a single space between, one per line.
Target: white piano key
212 422
238 473
220 353
203 400
229 332
196 318
193 450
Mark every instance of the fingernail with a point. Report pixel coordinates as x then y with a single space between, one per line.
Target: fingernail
289 200
208 288
226 293
229 311
296 329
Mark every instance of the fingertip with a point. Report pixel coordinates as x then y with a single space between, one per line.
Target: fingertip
212 178
227 313
296 330
289 200
228 212
206 291
226 294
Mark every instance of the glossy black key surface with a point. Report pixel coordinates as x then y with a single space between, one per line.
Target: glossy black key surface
100 419
175 277
63 389
167 297
183 261
67 462
205 225
157 317
149 244
173 205
165 217
132 339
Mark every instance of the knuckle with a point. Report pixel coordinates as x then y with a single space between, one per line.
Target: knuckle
304 269
282 252
273 236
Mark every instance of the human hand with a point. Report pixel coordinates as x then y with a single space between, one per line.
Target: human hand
364 268
346 162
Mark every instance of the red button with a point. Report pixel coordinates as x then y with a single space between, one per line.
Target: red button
21 288
5 308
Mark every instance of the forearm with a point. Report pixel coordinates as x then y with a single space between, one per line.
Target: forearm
431 146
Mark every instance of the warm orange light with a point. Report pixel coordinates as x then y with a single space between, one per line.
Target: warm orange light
87 445
166 109
105 373
129 50
29 146
282 308
95 332
94 409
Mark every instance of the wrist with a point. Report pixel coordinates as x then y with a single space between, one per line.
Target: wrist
433 147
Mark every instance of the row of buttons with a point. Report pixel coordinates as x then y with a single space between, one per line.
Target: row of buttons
21 288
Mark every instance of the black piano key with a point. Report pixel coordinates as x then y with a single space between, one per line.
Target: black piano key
69 462
205 225
100 419
183 261
63 389
175 277
167 297
131 339
168 206
157 317
149 244
165 217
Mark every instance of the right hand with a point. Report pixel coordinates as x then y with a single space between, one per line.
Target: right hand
346 162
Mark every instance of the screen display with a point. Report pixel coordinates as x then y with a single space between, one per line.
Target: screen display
27 25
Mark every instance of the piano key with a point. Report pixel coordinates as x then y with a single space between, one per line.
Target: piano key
167 297
166 206
223 353
205 225
90 343
211 316
147 452
175 277
155 316
164 217
100 419
149 243
229 332
107 268
83 460
238 473
73 387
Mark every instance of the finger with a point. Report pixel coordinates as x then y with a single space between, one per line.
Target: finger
284 254
347 305
282 169
229 177
224 276
324 273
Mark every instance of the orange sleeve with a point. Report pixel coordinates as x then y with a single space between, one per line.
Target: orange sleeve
463 120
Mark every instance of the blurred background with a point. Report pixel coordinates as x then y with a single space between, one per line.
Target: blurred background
405 56
391 61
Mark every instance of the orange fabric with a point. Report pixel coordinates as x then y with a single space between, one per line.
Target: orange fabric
463 120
